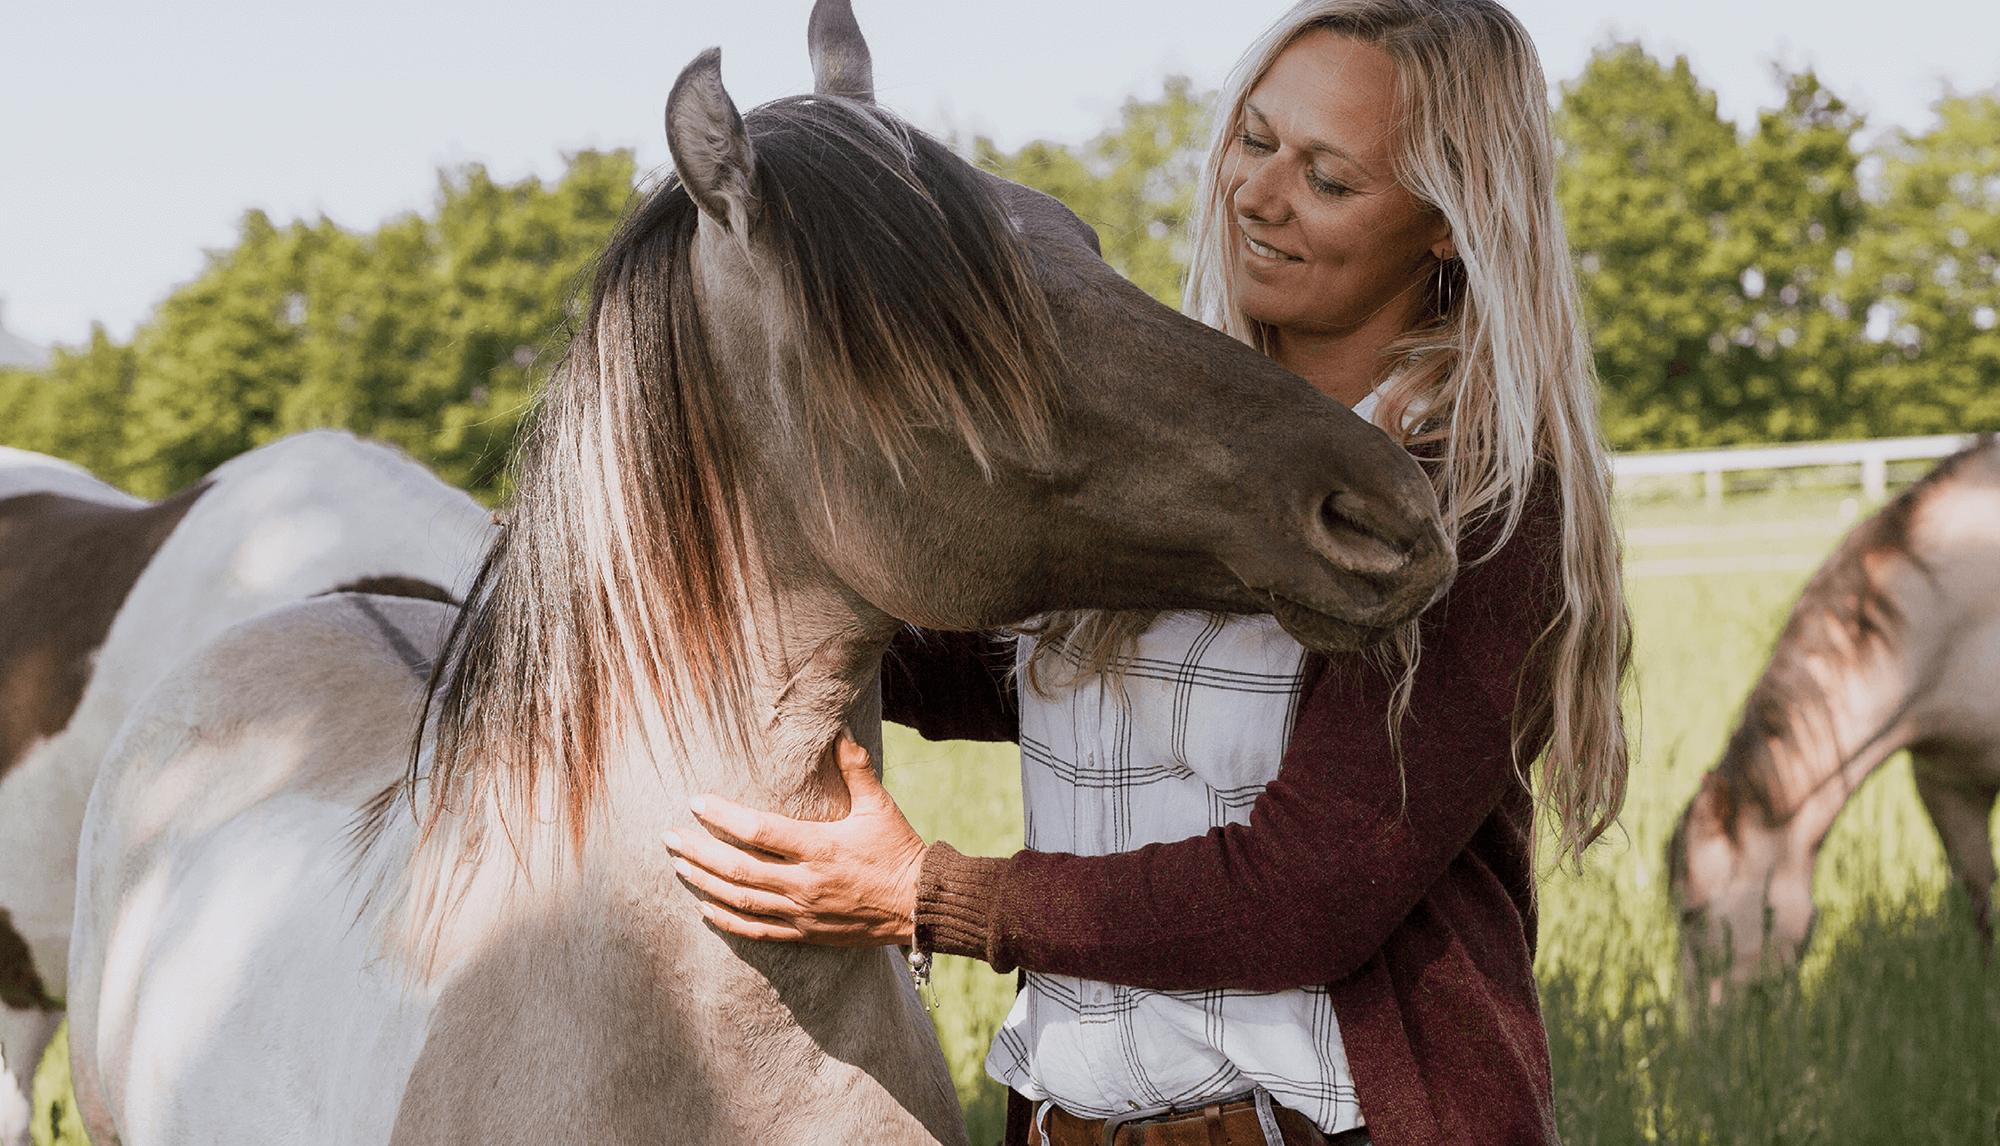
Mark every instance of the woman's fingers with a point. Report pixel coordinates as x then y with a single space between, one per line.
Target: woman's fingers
734 889
732 865
850 881
765 831
749 926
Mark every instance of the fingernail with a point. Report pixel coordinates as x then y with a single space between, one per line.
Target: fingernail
698 805
682 868
674 840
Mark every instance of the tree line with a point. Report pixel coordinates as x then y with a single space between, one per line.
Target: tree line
1773 282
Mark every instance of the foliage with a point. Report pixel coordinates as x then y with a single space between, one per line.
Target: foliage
1711 264
1931 264
1134 184
427 333
75 409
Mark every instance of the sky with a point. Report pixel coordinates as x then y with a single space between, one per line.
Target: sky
134 134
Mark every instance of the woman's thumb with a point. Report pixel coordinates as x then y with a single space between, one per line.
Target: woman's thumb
856 768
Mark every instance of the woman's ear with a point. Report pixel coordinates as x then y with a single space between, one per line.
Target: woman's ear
1444 250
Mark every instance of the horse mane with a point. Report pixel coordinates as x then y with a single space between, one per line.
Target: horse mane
611 602
1840 612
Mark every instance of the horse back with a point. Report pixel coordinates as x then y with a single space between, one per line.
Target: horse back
1955 540
222 908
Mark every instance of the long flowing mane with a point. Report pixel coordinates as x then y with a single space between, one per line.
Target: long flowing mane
1840 613
614 593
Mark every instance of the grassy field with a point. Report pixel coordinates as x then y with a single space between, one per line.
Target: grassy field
1891 1031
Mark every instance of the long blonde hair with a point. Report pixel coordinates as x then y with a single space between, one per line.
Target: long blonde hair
1499 382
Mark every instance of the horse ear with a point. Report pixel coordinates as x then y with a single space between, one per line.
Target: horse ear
841 65
710 147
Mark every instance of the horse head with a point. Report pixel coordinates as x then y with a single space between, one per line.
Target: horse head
1741 882
960 411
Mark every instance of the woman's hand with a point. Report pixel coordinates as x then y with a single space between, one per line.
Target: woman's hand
850 882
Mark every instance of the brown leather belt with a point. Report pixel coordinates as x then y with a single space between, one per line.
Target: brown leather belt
1230 1123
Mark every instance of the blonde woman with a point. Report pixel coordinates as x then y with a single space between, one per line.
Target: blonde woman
1269 896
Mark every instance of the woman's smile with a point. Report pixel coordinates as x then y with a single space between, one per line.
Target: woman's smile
1267 251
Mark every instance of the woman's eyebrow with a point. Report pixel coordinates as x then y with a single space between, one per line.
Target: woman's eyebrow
1318 145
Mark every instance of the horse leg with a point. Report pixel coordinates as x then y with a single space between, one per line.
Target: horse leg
1960 801
24 1034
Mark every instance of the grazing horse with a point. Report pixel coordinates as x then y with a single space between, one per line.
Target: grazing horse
831 379
101 592
1895 643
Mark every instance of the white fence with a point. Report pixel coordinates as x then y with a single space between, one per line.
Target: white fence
1873 455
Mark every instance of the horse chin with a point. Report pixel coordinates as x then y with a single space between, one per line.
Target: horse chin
1321 632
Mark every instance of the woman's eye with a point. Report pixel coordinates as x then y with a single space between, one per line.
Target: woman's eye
1250 142
1325 186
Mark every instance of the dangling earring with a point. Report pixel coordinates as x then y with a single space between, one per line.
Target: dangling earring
1446 288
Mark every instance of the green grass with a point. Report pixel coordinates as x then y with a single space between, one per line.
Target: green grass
1890 1032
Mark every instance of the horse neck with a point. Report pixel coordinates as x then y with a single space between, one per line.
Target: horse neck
546 942
1843 712
813 655
1849 702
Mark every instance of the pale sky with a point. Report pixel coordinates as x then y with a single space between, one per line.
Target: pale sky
134 134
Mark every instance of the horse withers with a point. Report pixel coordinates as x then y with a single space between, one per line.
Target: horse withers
100 593
1894 643
831 379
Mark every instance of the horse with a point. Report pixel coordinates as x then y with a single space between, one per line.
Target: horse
1894 643
831 379
101 592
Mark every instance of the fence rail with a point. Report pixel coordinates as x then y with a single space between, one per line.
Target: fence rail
1873 455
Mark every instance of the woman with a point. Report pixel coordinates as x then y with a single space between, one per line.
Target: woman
1320 882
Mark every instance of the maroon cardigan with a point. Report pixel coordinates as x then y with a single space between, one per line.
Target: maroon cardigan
1408 891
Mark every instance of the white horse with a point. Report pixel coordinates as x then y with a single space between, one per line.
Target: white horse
101 592
831 378
29 1013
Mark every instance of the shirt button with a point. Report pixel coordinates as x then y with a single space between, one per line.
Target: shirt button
1100 994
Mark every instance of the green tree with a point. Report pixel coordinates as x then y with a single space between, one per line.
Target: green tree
1790 362
220 355
1647 173
1134 184
1928 274
428 333
75 409
510 258
1710 264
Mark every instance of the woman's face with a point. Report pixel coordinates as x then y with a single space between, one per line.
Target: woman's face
1325 240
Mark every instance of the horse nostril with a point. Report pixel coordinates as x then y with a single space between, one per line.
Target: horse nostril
1350 542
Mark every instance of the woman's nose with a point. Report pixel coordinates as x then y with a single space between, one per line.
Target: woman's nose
1258 196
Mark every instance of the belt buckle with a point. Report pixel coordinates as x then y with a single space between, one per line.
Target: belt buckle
1116 1121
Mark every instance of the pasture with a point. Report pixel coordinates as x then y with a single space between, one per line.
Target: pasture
1891 1032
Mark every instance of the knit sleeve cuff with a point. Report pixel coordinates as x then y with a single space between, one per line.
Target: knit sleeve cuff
958 905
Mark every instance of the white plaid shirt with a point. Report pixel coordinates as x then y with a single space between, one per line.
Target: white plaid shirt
1208 706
